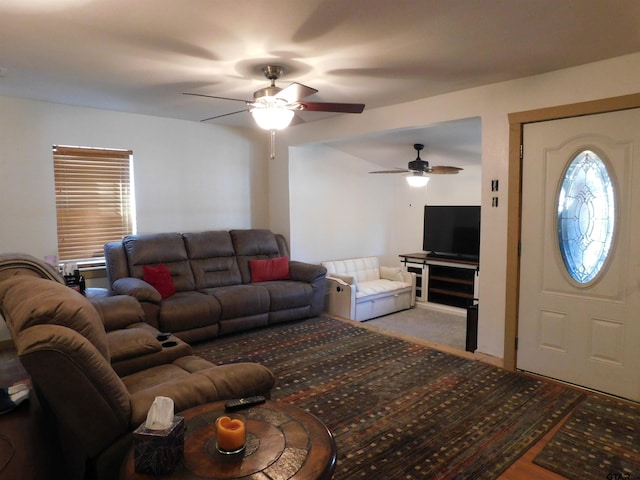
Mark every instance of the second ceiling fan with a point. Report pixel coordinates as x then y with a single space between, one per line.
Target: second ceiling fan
419 169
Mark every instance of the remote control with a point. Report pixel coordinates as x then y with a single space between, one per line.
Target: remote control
233 405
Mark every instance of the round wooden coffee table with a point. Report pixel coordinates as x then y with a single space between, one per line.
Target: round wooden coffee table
283 441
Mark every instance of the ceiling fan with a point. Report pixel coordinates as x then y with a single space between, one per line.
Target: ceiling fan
419 169
273 107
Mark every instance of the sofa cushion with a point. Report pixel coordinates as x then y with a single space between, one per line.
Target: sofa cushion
241 300
155 248
288 294
269 269
159 278
212 243
251 245
391 273
374 287
188 310
212 258
191 381
363 269
254 243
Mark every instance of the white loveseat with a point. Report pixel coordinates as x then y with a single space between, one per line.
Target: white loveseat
361 289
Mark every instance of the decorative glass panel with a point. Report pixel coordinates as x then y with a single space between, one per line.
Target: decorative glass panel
586 216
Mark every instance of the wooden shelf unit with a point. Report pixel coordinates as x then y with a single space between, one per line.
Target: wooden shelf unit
452 286
448 281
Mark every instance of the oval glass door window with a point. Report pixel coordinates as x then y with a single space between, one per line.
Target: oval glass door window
586 216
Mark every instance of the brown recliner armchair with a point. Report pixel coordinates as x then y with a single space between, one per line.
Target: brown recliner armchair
61 341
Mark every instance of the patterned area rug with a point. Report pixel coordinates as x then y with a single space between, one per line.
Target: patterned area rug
601 439
398 409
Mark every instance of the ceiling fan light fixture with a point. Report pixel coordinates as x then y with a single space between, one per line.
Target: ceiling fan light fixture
417 179
272 117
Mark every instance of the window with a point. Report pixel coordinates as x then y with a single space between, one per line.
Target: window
94 200
586 216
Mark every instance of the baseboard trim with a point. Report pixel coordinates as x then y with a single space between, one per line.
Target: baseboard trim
490 359
461 312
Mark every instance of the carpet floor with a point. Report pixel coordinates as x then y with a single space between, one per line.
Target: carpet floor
601 439
397 409
435 326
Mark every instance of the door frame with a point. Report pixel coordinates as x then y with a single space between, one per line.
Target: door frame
517 120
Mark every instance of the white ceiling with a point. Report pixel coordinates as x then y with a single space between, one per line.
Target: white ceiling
456 143
141 55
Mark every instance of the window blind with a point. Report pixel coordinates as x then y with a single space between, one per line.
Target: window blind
94 200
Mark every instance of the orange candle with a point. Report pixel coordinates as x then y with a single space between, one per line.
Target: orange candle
231 434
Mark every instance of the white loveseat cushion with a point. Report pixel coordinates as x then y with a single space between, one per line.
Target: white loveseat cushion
374 287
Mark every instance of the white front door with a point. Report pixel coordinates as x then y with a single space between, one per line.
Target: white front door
587 334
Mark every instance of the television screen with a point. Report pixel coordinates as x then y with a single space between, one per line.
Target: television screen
452 231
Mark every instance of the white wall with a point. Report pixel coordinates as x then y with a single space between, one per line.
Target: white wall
189 176
492 103
334 211
337 210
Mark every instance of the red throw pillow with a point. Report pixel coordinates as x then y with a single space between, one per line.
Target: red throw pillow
271 269
159 277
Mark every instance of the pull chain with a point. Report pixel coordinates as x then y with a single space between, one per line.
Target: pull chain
272 142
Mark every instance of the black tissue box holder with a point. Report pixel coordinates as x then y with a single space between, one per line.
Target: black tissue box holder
158 452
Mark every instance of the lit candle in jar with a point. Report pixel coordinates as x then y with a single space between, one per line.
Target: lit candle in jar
230 434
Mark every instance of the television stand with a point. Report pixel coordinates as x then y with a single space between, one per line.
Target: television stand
450 281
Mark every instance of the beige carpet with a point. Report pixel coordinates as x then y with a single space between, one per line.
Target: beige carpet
433 325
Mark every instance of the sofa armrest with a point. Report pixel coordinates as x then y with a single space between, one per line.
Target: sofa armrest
138 289
410 278
306 272
118 312
340 298
315 276
345 279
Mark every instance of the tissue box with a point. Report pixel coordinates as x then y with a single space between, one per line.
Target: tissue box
158 451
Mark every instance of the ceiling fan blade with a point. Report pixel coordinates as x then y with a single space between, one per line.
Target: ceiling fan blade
225 115
333 107
221 98
297 120
295 92
397 170
441 170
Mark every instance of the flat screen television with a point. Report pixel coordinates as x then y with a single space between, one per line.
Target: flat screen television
452 231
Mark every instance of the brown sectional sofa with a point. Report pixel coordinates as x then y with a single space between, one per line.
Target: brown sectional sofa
212 274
